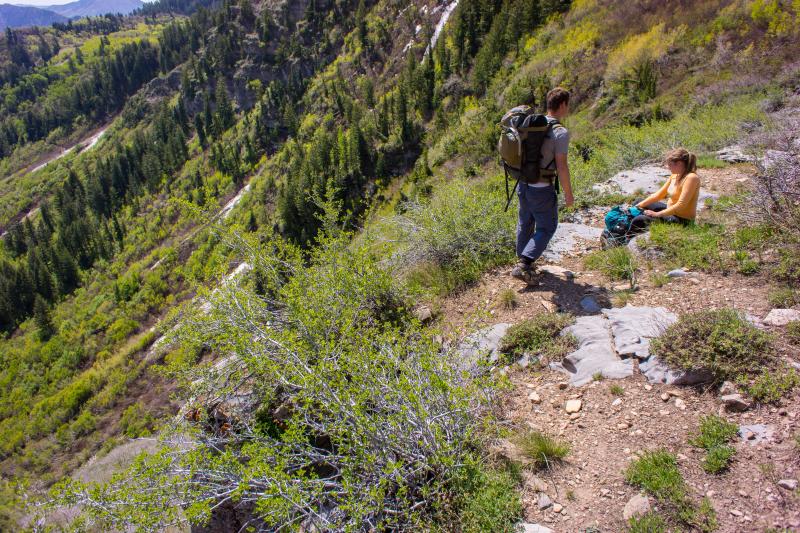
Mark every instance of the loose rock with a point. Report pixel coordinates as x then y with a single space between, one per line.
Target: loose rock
788 484
557 507
636 506
533 528
573 406
544 501
735 402
534 397
680 404
781 317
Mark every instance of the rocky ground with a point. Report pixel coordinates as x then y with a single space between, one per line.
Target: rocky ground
609 430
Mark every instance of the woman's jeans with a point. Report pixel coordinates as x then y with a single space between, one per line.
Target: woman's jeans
538 220
640 223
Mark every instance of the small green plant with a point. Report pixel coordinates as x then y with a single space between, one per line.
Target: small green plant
647 523
507 299
659 279
717 459
783 297
598 376
616 263
542 449
713 436
621 298
745 264
718 341
657 473
540 336
486 499
773 384
617 390
793 331
571 495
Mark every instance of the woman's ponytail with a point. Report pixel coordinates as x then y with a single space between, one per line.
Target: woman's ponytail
685 156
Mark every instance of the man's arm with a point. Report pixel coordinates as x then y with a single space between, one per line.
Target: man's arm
563 177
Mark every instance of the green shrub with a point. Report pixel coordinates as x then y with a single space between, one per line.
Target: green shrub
657 473
793 331
121 329
616 263
659 279
717 459
136 421
539 336
713 436
784 297
486 499
718 341
647 523
617 390
543 450
773 384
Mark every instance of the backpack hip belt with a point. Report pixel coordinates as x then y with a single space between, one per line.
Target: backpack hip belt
546 175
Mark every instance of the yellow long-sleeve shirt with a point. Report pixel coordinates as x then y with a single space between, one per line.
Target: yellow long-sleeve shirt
683 200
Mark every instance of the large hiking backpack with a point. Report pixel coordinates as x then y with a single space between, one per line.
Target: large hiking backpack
520 144
618 226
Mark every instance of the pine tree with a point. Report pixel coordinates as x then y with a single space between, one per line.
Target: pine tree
41 315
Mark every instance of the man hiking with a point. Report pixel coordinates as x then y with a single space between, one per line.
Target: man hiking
538 196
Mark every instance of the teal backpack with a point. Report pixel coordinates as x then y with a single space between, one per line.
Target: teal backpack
618 225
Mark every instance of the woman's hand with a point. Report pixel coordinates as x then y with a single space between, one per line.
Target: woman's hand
650 213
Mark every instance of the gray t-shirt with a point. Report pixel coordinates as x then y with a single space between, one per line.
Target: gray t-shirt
556 142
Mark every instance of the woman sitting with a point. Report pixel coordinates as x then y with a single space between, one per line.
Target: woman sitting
681 191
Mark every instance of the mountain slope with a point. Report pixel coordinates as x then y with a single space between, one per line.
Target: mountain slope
13 16
91 8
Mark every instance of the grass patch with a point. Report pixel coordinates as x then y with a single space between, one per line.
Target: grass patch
659 279
617 390
772 384
616 263
793 331
718 341
697 247
543 450
621 298
713 436
657 473
507 299
647 523
598 376
710 161
784 297
539 336
486 499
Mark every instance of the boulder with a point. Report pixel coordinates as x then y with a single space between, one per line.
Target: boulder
781 317
544 501
633 327
788 484
734 154
636 506
423 313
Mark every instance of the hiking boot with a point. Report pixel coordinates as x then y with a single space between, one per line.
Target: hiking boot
526 273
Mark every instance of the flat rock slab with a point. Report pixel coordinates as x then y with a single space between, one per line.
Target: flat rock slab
483 343
568 237
633 327
609 342
644 180
756 433
734 154
595 353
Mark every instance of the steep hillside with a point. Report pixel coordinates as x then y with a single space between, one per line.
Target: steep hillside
229 225
92 8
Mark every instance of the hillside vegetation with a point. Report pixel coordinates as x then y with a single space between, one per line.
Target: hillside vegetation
279 186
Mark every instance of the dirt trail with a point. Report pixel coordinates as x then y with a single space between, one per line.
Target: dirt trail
609 431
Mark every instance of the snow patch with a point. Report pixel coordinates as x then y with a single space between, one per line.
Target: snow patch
440 25
227 208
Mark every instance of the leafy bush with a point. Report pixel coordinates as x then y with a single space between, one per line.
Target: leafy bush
136 421
487 499
539 336
784 297
718 458
647 523
793 331
713 436
461 229
367 417
773 384
657 473
616 263
718 341
542 449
